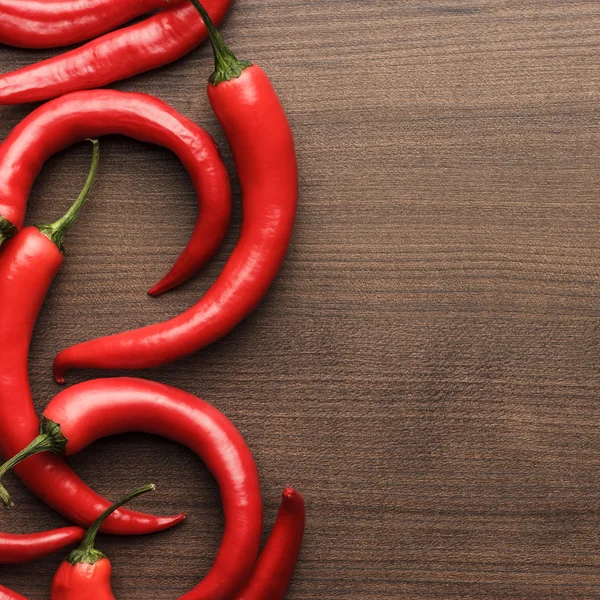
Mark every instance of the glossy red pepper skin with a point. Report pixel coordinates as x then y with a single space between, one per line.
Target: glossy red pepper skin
28 264
6 594
75 117
16 549
263 148
86 572
95 409
277 562
152 43
55 23
83 581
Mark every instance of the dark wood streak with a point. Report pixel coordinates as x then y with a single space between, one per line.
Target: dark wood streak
425 369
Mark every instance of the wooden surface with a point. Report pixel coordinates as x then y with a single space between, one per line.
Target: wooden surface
426 367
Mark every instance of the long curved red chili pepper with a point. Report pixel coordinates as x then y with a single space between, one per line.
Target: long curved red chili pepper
85 573
55 23
275 567
91 410
72 118
15 549
263 147
28 265
152 43
6 594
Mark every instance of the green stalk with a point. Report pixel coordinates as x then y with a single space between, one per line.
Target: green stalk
7 230
86 553
57 231
227 66
51 439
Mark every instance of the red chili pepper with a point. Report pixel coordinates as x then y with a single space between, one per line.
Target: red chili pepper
91 410
261 139
152 43
15 549
54 23
6 594
275 567
72 118
28 265
85 574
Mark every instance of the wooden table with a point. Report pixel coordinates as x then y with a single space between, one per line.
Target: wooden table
426 368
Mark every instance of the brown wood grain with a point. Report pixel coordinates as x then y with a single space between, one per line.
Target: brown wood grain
426 367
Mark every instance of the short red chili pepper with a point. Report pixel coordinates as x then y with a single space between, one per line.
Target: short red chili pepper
275 567
23 548
28 265
72 118
54 23
152 43
6 594
91 410
263 147
85 573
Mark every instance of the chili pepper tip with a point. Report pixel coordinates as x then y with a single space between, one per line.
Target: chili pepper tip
59 374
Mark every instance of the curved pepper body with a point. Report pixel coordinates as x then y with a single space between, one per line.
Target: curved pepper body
28 265
95 409
263 148
75 117
6 594
152 43
82 581
16 549
277 562
55 23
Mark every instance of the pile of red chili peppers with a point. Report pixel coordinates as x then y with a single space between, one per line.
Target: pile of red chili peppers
262 144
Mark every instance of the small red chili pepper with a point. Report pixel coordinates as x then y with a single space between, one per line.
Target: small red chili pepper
275 567
16 549
6 594
28 265
54 23
263 147
85 573
72 118
91 410
152 43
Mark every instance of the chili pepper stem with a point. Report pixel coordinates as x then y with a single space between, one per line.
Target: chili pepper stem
7 230
57 231
51 439
227 66
86 553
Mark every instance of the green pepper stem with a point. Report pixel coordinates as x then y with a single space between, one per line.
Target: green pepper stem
51 439
86 553
227 66
57 231
7 230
